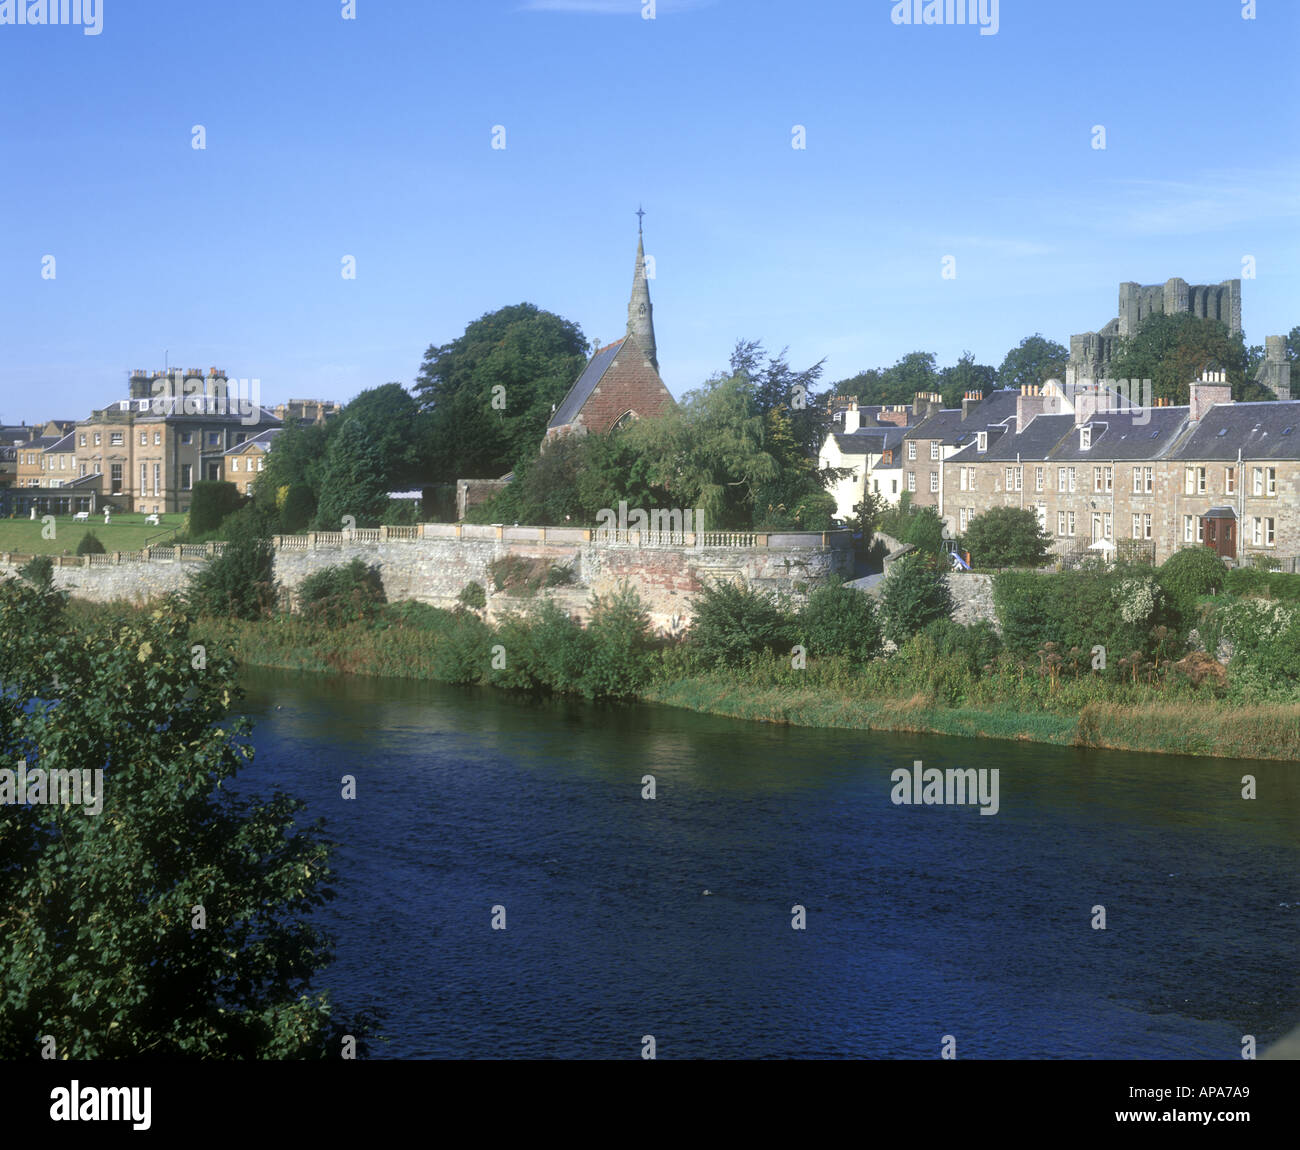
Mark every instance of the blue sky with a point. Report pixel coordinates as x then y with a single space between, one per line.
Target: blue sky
372 138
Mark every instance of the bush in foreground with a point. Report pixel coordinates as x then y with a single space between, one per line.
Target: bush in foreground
173 921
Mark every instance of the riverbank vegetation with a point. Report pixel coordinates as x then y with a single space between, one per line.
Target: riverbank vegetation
1118 656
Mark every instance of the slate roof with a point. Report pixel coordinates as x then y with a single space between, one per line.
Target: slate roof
41 441
997 407
587 382
869 440
264 439
65 444
1041 434
944 426
1267 429
1153 434
949 427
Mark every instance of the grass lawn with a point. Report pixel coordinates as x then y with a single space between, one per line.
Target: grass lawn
127 532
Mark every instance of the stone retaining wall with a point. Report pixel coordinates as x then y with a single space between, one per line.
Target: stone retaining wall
435 568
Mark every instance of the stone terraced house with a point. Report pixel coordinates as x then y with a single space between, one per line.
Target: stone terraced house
868 440
1096 470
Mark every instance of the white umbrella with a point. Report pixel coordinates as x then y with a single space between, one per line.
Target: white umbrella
1102 545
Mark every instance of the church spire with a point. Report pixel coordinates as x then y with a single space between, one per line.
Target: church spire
640 311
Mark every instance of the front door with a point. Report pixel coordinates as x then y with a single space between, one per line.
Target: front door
1221 535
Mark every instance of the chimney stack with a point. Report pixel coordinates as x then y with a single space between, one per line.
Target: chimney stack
970 401
1212 388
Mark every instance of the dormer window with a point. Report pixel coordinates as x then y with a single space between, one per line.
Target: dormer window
981 441
1085 438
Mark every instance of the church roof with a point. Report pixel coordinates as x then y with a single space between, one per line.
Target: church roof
587 382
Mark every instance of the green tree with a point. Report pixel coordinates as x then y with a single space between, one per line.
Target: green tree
914 594
1173 350
387 417
173 923
1007 537
296 460
914 372
1033 361
210 502
776 385
297 509
488 394
709 452
966 375
355 481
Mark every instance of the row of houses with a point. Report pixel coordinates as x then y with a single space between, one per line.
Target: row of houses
144 453
1094 464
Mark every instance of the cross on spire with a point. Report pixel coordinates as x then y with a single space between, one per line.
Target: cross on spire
639 214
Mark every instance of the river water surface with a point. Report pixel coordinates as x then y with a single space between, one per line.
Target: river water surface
921 921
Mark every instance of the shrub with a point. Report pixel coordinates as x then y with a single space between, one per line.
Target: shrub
342 594
1188 574
517 574
733 621
971 646
518 669
1256 581
90 545
210 502
38 571
840 620
1121 610
1007 537
240 582
559 650
559 575
619 636
461 653
913 594
472 596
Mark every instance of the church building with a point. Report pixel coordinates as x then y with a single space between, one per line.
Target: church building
620 382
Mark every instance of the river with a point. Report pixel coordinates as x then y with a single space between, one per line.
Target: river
922 921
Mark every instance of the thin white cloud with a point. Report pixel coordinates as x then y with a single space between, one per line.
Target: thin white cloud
1214 201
